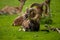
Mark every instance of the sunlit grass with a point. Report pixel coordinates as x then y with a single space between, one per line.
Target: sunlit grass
9 32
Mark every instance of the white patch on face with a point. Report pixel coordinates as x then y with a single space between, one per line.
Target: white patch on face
24 30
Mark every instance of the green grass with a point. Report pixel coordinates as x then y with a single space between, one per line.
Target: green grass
8 32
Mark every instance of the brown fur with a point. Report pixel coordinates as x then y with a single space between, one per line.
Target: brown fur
13 10
32 23
25 25
10 10
19 20
40 7
29 21
22 2
2 12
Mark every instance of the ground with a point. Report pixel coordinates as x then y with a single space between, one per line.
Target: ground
8 32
